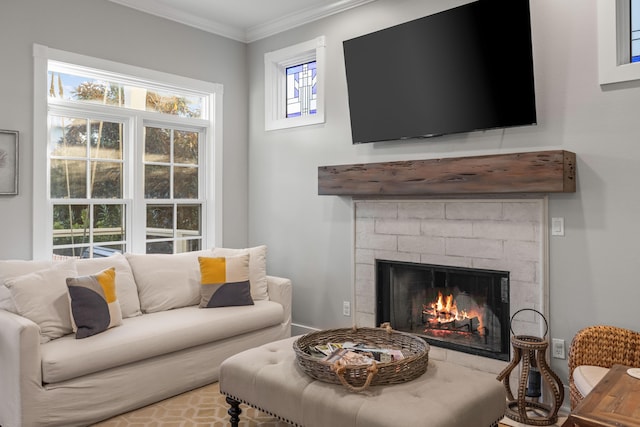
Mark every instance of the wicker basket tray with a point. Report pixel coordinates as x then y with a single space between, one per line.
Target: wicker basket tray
359 377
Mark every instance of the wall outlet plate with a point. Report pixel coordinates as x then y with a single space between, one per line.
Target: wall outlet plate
557 348
346 308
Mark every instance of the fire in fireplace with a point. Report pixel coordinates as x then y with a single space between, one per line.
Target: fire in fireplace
458 308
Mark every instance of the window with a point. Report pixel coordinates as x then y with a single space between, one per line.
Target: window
125 159
302 95
618 32
294 85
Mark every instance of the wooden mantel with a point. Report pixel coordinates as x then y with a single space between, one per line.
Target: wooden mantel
532 172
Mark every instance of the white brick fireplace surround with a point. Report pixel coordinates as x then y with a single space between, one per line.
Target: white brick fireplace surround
498 234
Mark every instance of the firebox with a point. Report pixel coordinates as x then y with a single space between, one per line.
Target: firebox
458 308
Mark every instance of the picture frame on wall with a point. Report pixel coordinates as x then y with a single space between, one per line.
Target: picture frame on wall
8 162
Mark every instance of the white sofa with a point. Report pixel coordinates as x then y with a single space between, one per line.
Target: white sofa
164 346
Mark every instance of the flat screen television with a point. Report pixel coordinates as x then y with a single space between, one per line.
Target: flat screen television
464 69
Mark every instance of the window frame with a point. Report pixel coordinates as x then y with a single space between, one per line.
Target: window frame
134 121
275 83
614 43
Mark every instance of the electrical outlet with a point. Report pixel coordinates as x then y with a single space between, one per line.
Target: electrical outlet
557 346
346 308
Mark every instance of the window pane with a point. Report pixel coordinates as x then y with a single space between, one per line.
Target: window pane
185 183
157 182
68 179
301 90
174 104
185 147
70 224
160 247
66 253
106 180
159 221
188 245
103 251
108 223
68 137
189 220
157 145
87 88
83 88
106 140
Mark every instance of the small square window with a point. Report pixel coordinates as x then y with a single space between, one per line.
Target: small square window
294 85
618 32
302 94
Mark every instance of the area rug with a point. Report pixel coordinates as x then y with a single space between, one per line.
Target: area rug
202 407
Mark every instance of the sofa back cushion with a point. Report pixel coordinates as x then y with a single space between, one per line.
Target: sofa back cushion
41 296
167 281
126 289
13 268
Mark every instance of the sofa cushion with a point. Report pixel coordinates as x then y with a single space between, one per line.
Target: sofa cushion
126 289
257 268
94 305
12 268
151 335
41 296
586 377
167 281
225 281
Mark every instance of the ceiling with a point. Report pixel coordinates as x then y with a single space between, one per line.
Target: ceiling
243 20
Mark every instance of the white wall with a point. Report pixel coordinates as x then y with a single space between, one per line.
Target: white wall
106 30
594 268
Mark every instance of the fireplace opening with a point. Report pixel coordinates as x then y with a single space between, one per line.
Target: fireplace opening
452 307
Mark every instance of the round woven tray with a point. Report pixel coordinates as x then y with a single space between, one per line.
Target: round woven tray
359 377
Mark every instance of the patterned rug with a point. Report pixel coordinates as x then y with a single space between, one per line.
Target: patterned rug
202 407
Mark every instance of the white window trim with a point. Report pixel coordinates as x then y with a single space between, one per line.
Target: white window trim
614 64
275 65
42 220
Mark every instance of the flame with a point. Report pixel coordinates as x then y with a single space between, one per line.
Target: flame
445 310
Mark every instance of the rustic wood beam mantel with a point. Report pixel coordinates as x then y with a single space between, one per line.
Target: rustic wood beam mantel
532 172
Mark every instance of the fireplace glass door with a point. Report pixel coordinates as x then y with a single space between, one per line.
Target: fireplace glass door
457 308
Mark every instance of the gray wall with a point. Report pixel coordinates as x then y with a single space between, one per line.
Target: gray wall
594 268
106 30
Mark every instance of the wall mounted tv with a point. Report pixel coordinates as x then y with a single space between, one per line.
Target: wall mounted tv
464 69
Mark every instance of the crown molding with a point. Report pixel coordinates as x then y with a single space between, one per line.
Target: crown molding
173 14
236 33
302 17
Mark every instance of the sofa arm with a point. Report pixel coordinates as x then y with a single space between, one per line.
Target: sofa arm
280 291
20 373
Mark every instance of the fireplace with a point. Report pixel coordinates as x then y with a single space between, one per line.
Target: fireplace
499 234
463 309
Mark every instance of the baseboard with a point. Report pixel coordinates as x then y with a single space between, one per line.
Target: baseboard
297 329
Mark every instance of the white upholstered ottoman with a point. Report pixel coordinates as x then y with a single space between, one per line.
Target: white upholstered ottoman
447 395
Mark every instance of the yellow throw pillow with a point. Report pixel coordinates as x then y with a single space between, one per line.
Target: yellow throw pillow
225 281
94 304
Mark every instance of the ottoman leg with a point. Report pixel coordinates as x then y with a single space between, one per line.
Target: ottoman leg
234 411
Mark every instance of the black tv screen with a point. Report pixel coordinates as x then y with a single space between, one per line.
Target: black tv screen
464 69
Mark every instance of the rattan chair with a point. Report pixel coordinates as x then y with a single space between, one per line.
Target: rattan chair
602 346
